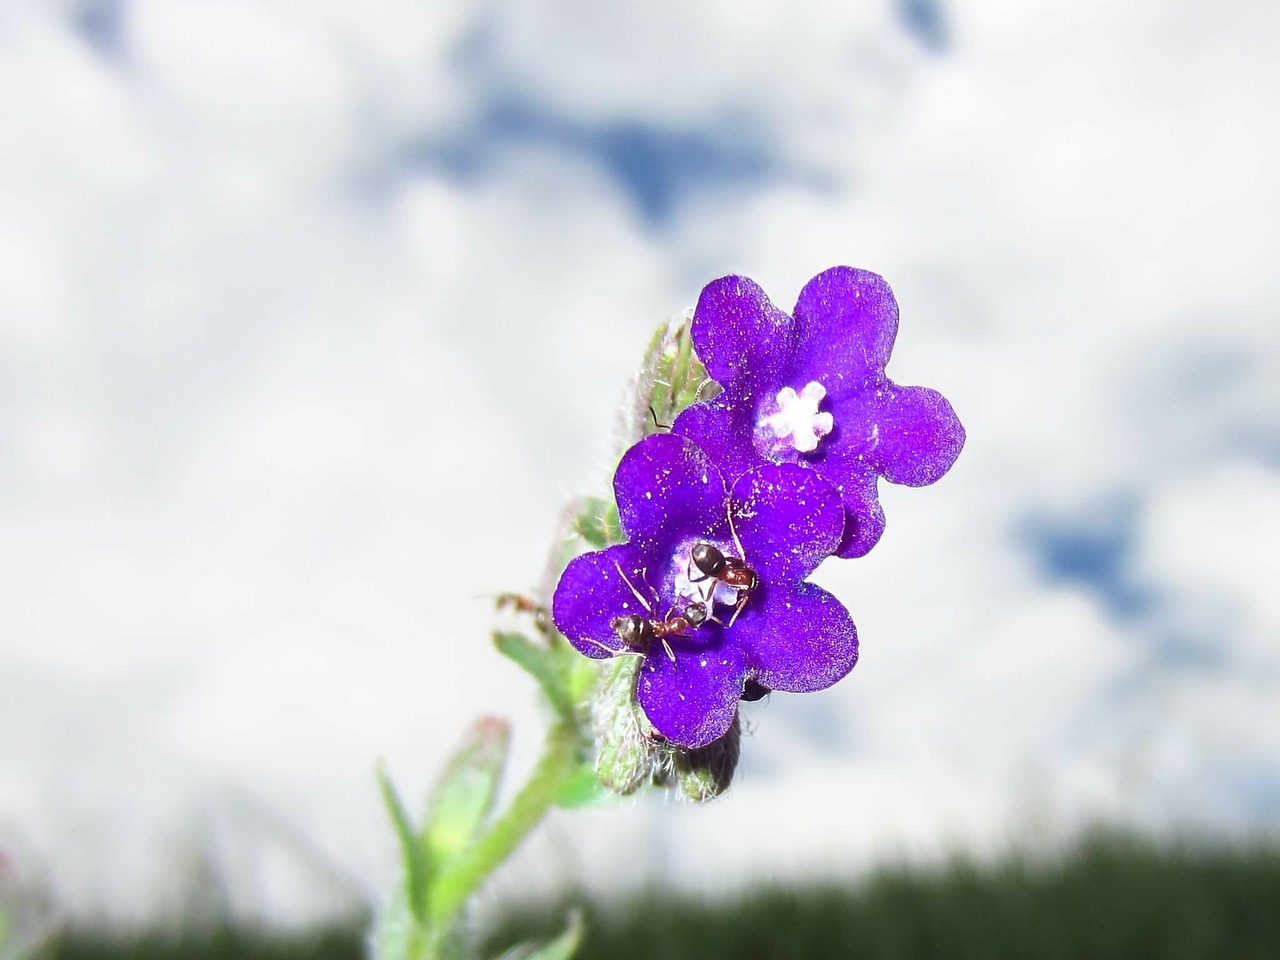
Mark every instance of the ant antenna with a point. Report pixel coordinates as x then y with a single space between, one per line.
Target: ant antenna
636 593
742 554
657 424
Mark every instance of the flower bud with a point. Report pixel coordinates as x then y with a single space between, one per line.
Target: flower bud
705 773
670 378
627 747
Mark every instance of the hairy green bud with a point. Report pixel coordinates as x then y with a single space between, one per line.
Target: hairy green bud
626 747
670 378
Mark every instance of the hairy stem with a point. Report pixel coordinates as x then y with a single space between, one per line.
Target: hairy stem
526 811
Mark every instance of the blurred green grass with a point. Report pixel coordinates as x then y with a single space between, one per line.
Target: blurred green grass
1110 897
1113 896
220 943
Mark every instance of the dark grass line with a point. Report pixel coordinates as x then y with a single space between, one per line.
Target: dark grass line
222 942
1111 898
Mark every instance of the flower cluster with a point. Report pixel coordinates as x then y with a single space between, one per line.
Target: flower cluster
727 516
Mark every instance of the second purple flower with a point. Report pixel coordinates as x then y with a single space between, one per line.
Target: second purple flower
811 389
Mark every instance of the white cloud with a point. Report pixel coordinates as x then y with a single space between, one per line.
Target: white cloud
280 402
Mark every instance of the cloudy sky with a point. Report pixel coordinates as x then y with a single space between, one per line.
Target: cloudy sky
313 313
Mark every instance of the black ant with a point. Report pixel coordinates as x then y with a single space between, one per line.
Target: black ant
732 572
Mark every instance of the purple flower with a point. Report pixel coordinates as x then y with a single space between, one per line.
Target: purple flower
811 389
789 635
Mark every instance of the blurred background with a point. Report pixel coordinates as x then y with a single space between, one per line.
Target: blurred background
312 315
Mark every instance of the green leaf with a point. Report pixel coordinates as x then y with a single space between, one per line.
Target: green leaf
581 674
562 947
464 795
393 938
597 522
581 788
541 664
413 858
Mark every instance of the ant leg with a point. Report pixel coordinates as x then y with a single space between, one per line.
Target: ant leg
709 602
742 554
636 593
604 646
737 609
645 580
688 571
706 598
675 667
657 424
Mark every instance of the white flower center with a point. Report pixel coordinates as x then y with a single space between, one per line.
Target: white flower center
797 420
694 586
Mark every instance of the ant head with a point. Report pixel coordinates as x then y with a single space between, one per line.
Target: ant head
707 559
632 630
696 614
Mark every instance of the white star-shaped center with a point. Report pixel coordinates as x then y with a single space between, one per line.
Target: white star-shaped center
797 420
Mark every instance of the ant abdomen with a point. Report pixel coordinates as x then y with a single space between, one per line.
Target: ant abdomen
708 559
634 631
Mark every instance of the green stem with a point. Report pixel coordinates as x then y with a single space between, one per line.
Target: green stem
465 874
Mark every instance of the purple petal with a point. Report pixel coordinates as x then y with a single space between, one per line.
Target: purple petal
856 422
789 520
739 335
723 429
692 702
665 487
846 322
864 517
919 436
798 639
591 594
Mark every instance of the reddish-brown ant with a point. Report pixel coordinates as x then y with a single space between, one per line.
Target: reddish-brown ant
522 604
638 633
732 572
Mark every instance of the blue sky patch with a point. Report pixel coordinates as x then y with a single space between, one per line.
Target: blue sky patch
1093 548
659 168
925 21
100 23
